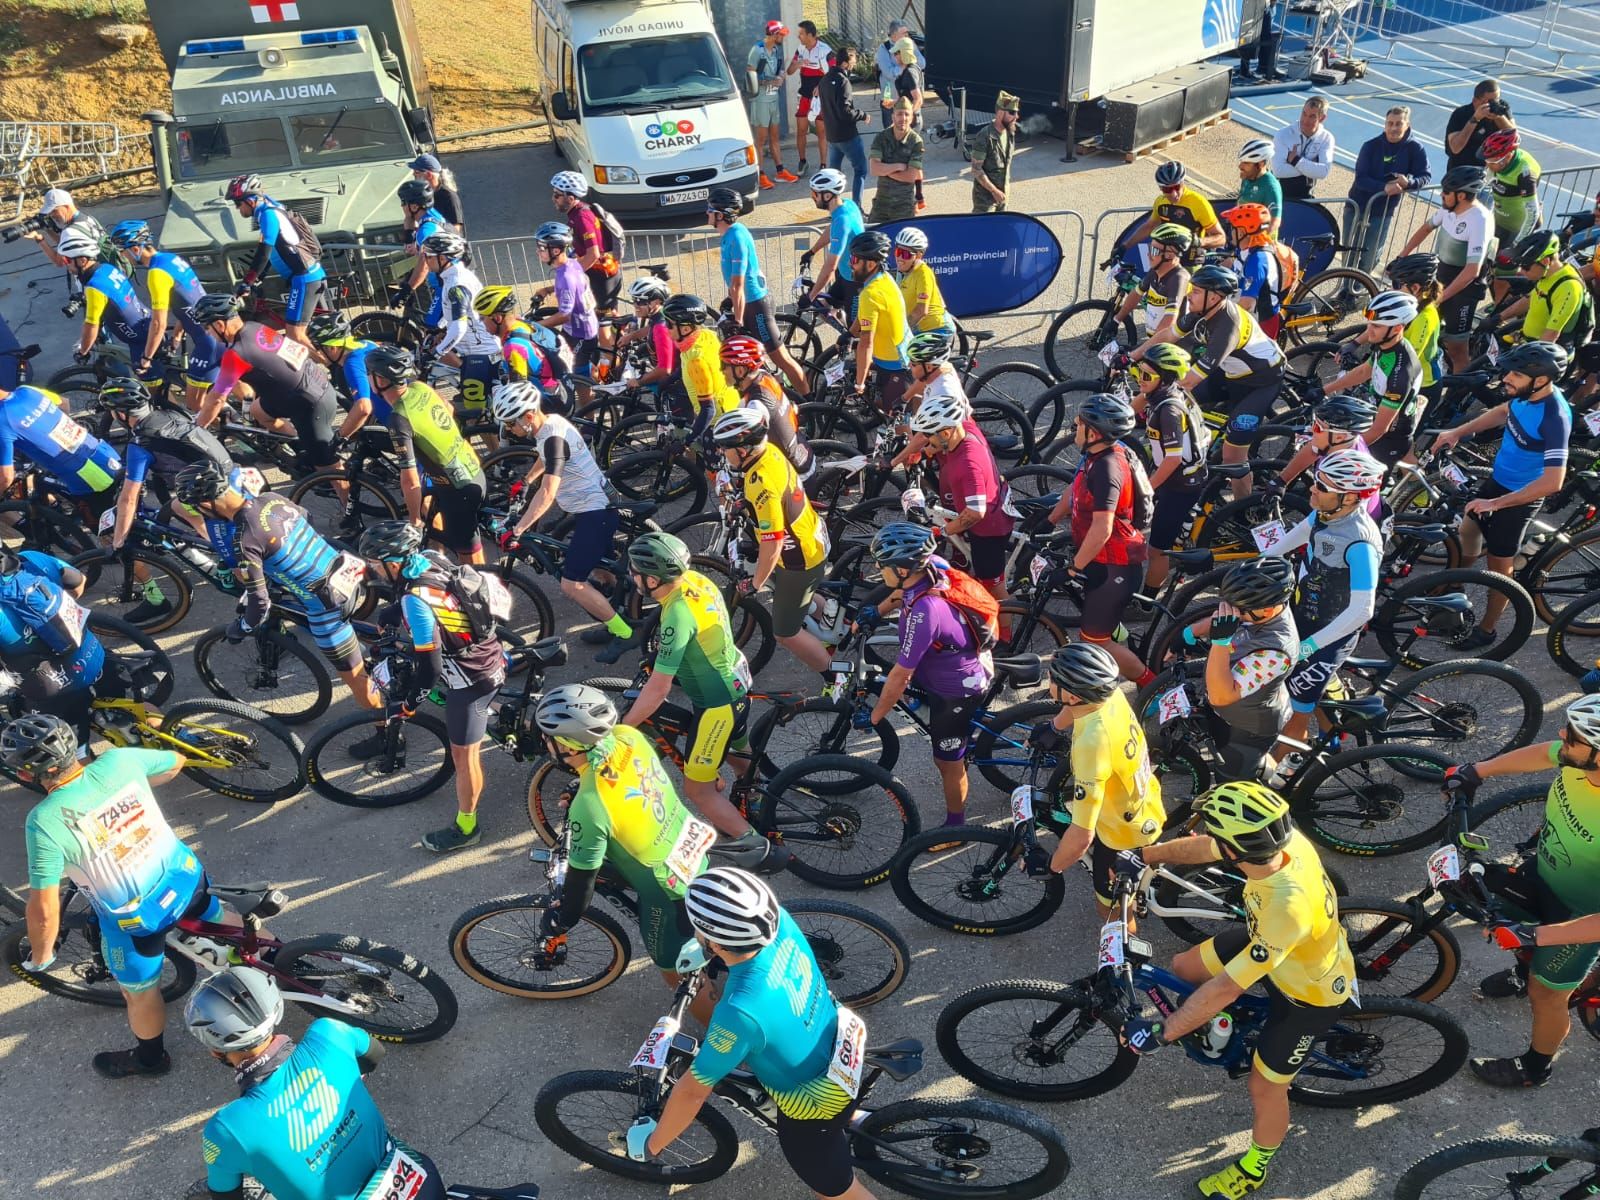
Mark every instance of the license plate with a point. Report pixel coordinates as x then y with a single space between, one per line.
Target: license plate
1268 534
685 197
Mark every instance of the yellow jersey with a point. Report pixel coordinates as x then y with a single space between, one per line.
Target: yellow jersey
1423 334
781 511
921 286
700 367
1114 792
881 320
1191 210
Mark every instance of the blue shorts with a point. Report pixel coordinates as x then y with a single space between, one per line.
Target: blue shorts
134 959
1309 678
479 374
304 291
590 543
205 360
333 634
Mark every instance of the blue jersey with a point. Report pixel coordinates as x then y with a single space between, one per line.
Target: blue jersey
283 243
777 1017
739 262
39 619
429 223
358 384
308 1131
1535 437
843 227
1260 280
109 300
72 456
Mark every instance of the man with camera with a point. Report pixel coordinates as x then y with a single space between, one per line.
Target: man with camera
1471 123
56 215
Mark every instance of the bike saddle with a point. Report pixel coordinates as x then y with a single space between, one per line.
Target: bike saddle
1358 714
979 336
1194 560
638 509
259 900
1450 602
1304 309
661 271
239 889
1428 535
748 851
1022 670
1368 664
465 1191
1320 242
898 1060
32 350
1232 470
549 652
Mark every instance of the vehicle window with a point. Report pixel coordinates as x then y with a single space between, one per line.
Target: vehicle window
653 72
349 134
568 82
227 147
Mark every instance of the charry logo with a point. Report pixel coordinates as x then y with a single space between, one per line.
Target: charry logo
669 129
665 136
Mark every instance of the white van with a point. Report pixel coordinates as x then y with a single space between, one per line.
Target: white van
643 103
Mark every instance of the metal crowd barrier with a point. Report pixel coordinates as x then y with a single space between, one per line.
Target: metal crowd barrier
1520 25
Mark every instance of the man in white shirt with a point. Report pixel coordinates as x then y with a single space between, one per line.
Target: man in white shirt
1303 152
811 60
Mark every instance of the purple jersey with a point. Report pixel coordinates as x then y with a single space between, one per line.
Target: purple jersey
938 647
576 300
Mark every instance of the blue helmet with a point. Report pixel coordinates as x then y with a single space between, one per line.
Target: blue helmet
128 234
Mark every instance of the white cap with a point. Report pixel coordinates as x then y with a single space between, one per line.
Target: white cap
55 198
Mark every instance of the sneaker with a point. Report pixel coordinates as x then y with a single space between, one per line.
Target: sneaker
597 636
371 747
1507 1073
614 649
442 841
1232 1182
1244 76
785 177
1478 639
1509 984
801 169
121 1064
145 612
766 184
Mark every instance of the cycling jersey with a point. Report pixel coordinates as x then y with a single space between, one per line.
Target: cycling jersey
781 511
766 395
1463 238
1230 340
1191 210
436 621
1560 301
452 313
777 1018
431 221
531 353
39 620
969 477
1264 189
1260 656
663 350
281 244
1338 578
1535 437
843 227
1176 426
1397 383
1105 483
1261 280
272 540
73 457
105 832
1423 334
565 454
109 300
1162 295
937 645
1516 199
700 366
308 1131
881 316
739 262
1569 842
697 647
170 276
356 379
1114 792
921 286
164 441
575 300
278 369
426 434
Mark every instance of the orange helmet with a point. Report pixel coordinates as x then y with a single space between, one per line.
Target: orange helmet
1248 220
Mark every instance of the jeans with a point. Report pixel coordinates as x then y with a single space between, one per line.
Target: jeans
1372 241
856 151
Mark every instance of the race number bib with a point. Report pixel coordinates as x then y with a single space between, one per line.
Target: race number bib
1110 351
912 497
1268 534
1493 350
1113 944
1022 804
849 1052
683 860
345 579
653 1054
1172 705
68 435
1038 567
1454 474
834 372
1444 865
1591 420
293 353
107 520
382 676
402 1179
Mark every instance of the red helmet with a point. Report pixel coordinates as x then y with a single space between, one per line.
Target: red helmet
244 187
1501 145
742 352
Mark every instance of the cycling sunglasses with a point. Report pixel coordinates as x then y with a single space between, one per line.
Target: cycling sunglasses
902 252
1176 190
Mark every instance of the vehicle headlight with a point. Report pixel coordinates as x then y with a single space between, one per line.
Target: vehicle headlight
615 175
745 157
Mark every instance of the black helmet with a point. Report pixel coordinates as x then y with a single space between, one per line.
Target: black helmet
39 744
394 363
1258 583
1107 414
200 482
1464 179
1535 358
1217 279
416 191
390 541
1352 414
123 396
1421 267
903 544
216 306
326 327
725 200
684 309
871 245
1086 670
1539 244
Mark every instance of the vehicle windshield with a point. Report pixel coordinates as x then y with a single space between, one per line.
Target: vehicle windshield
349 135
653 73
203 150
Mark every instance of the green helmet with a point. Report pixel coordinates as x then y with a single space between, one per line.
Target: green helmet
660 555
1168 360
1172 234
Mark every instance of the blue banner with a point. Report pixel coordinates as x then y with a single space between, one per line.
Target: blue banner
1309 229
10 364
987 262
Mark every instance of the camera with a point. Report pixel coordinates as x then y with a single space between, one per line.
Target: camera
34 224
1500 108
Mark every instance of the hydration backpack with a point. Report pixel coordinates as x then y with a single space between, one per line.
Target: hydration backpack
613 237
972 600
482 596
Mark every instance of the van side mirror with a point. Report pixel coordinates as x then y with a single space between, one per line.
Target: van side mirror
420 122
561 107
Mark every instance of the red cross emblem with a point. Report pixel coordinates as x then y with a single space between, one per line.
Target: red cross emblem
266 12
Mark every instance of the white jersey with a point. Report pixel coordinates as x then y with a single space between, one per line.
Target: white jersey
583 484
1464 236
464 330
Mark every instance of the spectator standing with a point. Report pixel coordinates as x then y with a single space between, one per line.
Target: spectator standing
59 209
842 120
888 66
908 86
765 71
1470 123
991 156
445 197
1266 48
896 163
1303 152
811 60
1388 165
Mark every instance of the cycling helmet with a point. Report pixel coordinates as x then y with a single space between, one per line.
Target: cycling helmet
1249 816
1107 414
740 429
742 351
569 183
828 181
732 908
1248 219
1086 670
903 544
934 346
128 234
1352 414
495 299
235 1009
216 306
659 555
648 289
514 399
1464 179
245 187
1170 174
394 363
911 238
938 412
1536 358
1213 278
446 244
725 200
38 743
1421 267
576 713
327 327
1500 145
1583 718
1391 308
1540 244
418 192
684 309
553 233
1168 360
871 245
389 541
75 243
123 395
1350 470
1256 150
1170 233
200 483
1258 583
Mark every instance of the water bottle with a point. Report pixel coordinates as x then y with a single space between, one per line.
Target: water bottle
197 557
1288 767
1217 1035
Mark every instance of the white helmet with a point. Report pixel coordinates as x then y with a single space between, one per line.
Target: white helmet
911 238
235 1009
75 243
1256 150
743 428
941 411
643 291
1583 718
828 180
1392 308
569 183
1350 471
732 908
513 400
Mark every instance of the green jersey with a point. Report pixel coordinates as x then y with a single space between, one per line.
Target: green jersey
1265 190
1516 202
697 646
1569 843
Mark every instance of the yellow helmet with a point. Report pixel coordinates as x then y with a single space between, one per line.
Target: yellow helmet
492 300
1249 816
1171 362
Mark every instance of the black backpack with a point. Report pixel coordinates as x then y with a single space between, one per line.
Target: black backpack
481 594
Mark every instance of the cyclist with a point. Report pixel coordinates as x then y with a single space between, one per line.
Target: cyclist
574 314
422 221
747 287
289 384
99 824
648 295
461 341
109 299
567 477
1514 180
168 275
45 638
1418 275
1159 297
1291 942
1262 286
1391 376
281 1130
969 485
1557 882
932 374
1179 204
793 553
1465 231
428 440
1338 579
880 327
1530 464
73 459
760 390
776 1017
530 351
449 654
283 245
600 266
943 649
268 541
1559 308
919 286
1257 183
1109 504
1179 440
1337 423
338 349
836 279
699 352
1254 645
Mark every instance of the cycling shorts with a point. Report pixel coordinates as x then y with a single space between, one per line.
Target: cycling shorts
333 635
819 1151
585 353
314 419
950 725
466 711
792 591
135 960
761 323
764 110
841 294
44 688
1391 447
457 511
304 292
1107 590
479 374
1309 679
1291 1028
606 289
988 556
205 360
1504 529
1247 401
1527 897
590 543
1170 521
663 922
712 733
1456 313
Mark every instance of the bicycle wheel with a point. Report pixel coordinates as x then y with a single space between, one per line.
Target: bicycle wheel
1000 743
1213 896
1569 639
1510 819
386 992
1392 957
498 944
1398 617
1520 1166
532 617
751 625
676 485
961 1148
30 525
971 880
113 586
270 670
1487 706
78 971
800 339
137 657
1389 1049
587 1114
1006 428
841 839
1059 405
259 758
1227 531
825 421
1079 332
1315 361
1337 298
368 501
822 726
392 328
1032 1040
1373 801
1021 385
1564 571
415 761
862 956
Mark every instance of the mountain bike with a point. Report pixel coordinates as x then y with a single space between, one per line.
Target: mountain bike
200 1190
1517 1166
